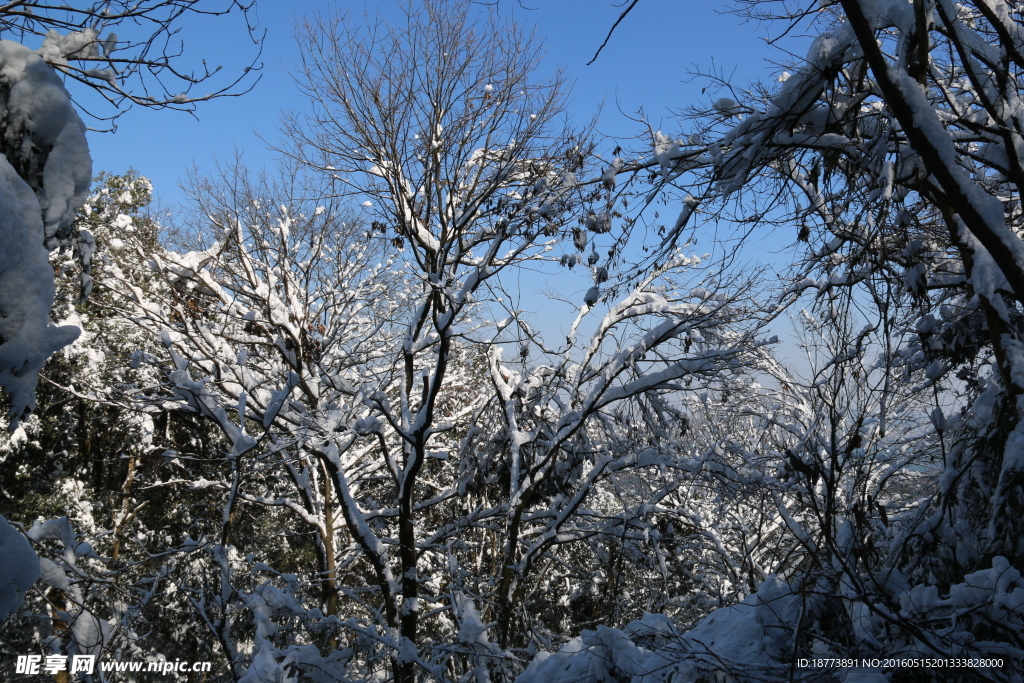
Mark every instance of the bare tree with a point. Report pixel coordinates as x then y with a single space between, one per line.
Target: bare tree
131 53
440 125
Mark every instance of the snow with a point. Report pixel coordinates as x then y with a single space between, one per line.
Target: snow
472 629
407 651
555 445
608 177
18 571
84 44
26 293
728 106
51 574
751 636
39 116
40 110
666 150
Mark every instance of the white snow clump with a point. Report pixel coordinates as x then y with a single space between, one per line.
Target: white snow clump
45 171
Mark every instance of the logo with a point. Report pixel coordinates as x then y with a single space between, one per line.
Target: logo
30 665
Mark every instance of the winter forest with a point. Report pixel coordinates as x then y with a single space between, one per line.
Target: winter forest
321 426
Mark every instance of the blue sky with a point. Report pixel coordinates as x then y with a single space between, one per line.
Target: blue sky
645 65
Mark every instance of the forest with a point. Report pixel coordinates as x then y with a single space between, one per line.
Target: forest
322 425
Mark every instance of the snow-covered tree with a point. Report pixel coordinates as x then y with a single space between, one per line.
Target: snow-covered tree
384 469
78 474
45 154
46 174
45 167
350 364
891 152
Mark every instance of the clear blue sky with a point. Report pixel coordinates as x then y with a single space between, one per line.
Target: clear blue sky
645 65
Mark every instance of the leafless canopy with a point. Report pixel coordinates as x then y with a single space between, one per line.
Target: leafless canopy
131 52
439 122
